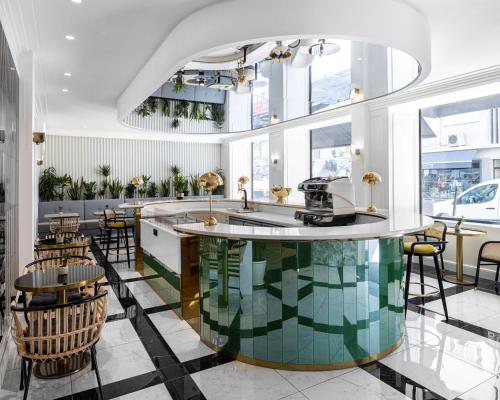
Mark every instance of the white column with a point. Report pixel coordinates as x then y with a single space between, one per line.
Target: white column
27 178
276 152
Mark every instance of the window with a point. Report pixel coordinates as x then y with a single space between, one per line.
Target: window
331 78
460 159
260 168
260 99
331 150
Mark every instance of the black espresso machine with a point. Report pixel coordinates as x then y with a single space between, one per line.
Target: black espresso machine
329 202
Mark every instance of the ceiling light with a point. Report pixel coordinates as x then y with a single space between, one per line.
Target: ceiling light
77 1
280 52
322 48
67 74
221 82
359 59
65 90
69 37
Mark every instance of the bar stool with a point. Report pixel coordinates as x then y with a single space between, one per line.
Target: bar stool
433 245
489 254
120 226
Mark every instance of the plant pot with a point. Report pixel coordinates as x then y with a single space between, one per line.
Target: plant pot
179 196
258 272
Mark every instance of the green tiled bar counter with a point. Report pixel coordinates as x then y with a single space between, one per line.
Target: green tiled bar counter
319 305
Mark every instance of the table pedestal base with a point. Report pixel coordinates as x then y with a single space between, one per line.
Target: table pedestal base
451 278
61 368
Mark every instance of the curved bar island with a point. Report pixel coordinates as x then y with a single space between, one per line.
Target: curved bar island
296 297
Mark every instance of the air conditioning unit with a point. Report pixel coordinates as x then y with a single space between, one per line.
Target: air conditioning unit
456 139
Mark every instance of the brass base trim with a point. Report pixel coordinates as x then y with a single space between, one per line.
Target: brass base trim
308 367
420 295
453 279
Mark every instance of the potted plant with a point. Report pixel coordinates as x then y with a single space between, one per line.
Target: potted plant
116 188
47 184
165 187
219 189
61 182
75 189
195 185
129 191
181 186
259 263
89 190
152 190
105 172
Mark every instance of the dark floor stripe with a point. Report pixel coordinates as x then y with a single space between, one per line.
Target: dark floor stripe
142 278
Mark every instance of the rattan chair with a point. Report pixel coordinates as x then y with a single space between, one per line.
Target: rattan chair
80 250
64 225
58 332
45 299
433 245
489 254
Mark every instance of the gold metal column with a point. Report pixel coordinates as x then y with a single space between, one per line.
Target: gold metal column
139 254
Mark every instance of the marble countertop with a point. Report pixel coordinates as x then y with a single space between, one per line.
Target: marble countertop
394 224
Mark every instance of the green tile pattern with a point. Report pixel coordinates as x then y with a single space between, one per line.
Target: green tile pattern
319 302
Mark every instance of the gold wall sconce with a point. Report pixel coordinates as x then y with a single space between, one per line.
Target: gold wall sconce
371 178
210 181
355 151
39 140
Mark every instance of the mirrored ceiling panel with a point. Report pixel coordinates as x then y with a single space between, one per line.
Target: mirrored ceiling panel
253 86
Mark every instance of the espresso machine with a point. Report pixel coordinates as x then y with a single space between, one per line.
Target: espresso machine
329 202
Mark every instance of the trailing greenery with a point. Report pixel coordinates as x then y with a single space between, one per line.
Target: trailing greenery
152 190
47 184
116 188
165 107
175 123
75 189
195 185
89 190
220 189
218 115
179 84
61 183
129 191
165 187
181 109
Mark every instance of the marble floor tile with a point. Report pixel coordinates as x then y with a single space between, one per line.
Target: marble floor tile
145 295
357 384
186 345
422 329
40 389
303 379
470 306
437 370
238 381
114 306
115 363
489 390
124 271
491 323
116 333
157 392
167 322
295 396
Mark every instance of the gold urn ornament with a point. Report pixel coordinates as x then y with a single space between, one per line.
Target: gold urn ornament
210 181
371 178
281 193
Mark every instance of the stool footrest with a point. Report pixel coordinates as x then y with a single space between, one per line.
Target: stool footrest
430 294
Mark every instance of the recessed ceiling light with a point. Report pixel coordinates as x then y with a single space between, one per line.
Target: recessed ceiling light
67 74
65 90
77 1
69 37
359 59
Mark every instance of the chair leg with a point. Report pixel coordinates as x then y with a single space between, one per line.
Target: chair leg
442 261
118 245
127 246
23 371
96 369
478 266
440 284
407 283
107 245
28 378
496 275
421 269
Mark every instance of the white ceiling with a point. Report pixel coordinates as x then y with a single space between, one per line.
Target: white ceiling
115 38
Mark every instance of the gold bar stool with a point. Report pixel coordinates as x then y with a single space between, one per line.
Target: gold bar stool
433 245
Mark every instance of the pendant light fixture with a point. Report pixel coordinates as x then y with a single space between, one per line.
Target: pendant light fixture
280 52
322 48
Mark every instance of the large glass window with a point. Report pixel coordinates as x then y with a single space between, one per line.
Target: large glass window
260 99
460 153
331 78
260 168
331 150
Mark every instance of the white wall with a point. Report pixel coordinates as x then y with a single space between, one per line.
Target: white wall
80 156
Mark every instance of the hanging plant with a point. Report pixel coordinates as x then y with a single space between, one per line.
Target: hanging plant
195 111
175 123
152 104
182 109
143 110
165 107
179 84
217 112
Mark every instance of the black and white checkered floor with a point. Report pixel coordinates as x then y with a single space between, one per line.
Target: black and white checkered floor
147 352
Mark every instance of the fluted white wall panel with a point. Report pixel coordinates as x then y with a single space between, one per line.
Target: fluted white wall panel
80 156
